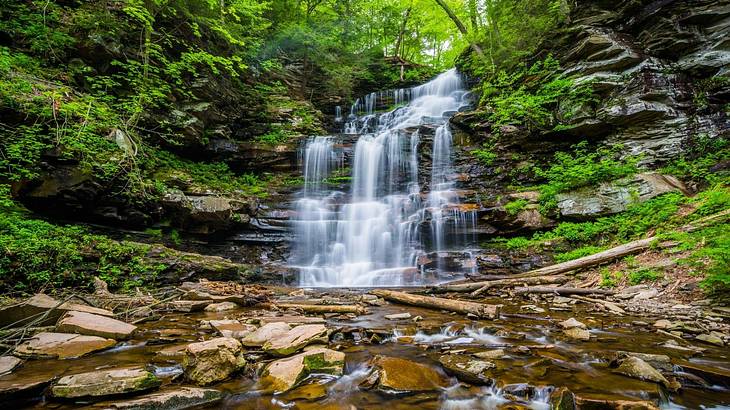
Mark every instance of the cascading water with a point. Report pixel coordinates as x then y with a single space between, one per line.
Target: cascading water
373 235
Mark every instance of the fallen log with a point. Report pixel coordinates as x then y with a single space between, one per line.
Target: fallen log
358 310
611 306
459 306
480 287
562 290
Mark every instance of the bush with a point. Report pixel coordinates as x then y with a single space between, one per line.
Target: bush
644 275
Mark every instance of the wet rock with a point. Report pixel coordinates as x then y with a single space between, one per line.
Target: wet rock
8 364
213 360
265 333
187 306
232 328
398 316
48 345
396 375
104 383
221 307
713 375
205 214
12 389
177 399
571 324
662 324
562 399
639 369
600 404
40 304
295 339
491 354
283 374
289 319
467 369
711 338
658 361
577 333
94 325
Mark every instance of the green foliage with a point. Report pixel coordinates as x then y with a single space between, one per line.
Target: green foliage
35 254
698 161
515 207
485 155
644 275
275 137
582 167
578 253
610 279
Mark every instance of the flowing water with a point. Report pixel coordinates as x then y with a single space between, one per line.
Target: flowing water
374 234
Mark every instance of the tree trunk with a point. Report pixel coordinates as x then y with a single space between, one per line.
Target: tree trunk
562 290
483 286
459 306
460 26
358 310
402 32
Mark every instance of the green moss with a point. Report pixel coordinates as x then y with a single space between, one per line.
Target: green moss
515 207
578 253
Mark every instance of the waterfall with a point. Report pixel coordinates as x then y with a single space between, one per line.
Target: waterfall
374 234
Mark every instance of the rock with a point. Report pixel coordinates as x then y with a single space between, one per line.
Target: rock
562 399
232 328
614 197
265 333
646 294
295 339
21 313
532 308
467 369
577 333
283 374
8 364
398 316
490 354
176 399
104 383
213 360
289 319
572 323
600 404
204 214
221 307
48 345
662 324
94 325
187 306
15 388
639 369
658 361
711 339
396 375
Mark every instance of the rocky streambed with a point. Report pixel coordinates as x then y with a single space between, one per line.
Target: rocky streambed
223 345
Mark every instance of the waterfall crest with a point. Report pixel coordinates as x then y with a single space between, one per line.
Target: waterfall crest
375 234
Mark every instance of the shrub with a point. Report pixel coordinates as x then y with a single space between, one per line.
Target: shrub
644 275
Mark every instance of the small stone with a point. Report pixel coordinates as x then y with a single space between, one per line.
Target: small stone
467 369
49 345
232 328
646 294
104 383
577 333
177 399
532 308
417 319
94 325
221 307
398 316
711 339
213 360
8 364
572 323
662 324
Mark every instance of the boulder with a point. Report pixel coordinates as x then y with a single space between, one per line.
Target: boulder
577 333
711 339
187 306
221 307
283 374
8 364
639 369
29 310
572 323
295 339
265 333
48 345
658 361
396 375
213 360
176 399
104 383
562 399
232 328
467 369
94 325
205 214
614 197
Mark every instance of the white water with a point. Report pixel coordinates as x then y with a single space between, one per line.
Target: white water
373 235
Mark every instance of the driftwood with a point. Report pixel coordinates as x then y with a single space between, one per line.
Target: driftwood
483 286
359 310
459 306
613 307
562 290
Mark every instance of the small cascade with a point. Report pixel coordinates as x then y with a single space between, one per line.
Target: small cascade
375 234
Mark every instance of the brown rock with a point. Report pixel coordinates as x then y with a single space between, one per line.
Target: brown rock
396 375
47 345
177 399
265 333
295 339
104 383
232 328
283 374
213 360
31 309
8 364
94 325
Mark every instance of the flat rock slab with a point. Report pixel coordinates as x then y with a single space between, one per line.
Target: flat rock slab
232 328
187 306
265 333
221 307
33 308
104 383
94 325
468 369
8 364
295 339
12 387
178 399
396 375
49 345
291 320
283 374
